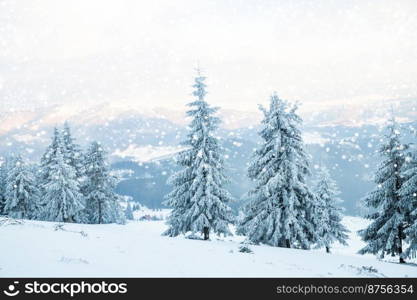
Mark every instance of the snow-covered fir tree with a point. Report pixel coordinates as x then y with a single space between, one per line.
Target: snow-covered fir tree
3 175
385 234
72 151
408 193
199 200
279 210
22 193
102 203
62 200
48 157
4 169
129 212
44 169
328 212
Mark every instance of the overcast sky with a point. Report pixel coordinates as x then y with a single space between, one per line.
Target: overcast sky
144 52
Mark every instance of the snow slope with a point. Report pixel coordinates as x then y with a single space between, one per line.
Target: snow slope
33 249
147 153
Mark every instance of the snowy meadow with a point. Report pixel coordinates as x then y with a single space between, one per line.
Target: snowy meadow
137 249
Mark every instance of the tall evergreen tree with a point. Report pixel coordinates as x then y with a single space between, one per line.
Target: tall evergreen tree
328 213
48 157
22 194
279 211
4 170
408 192
102 202
62 200
199 200
385 234
72 151
3 175
44 170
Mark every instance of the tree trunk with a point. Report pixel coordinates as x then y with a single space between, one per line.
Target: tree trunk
400 227
287 243
400 244
99 212
206 232
68 220
327 249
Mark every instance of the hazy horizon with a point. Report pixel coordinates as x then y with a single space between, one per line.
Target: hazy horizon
138 53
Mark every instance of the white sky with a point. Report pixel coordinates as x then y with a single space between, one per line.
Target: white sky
144 52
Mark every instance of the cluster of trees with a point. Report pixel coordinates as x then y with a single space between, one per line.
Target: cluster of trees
129 212
67 186
282 209
393 203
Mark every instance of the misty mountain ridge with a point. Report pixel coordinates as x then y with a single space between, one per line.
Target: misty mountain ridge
144 142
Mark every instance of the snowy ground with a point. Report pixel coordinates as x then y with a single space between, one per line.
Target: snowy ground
36 249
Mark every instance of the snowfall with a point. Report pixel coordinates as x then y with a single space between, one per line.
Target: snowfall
137 249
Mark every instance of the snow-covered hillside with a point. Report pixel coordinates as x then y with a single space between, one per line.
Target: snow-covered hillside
147 153
33 248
